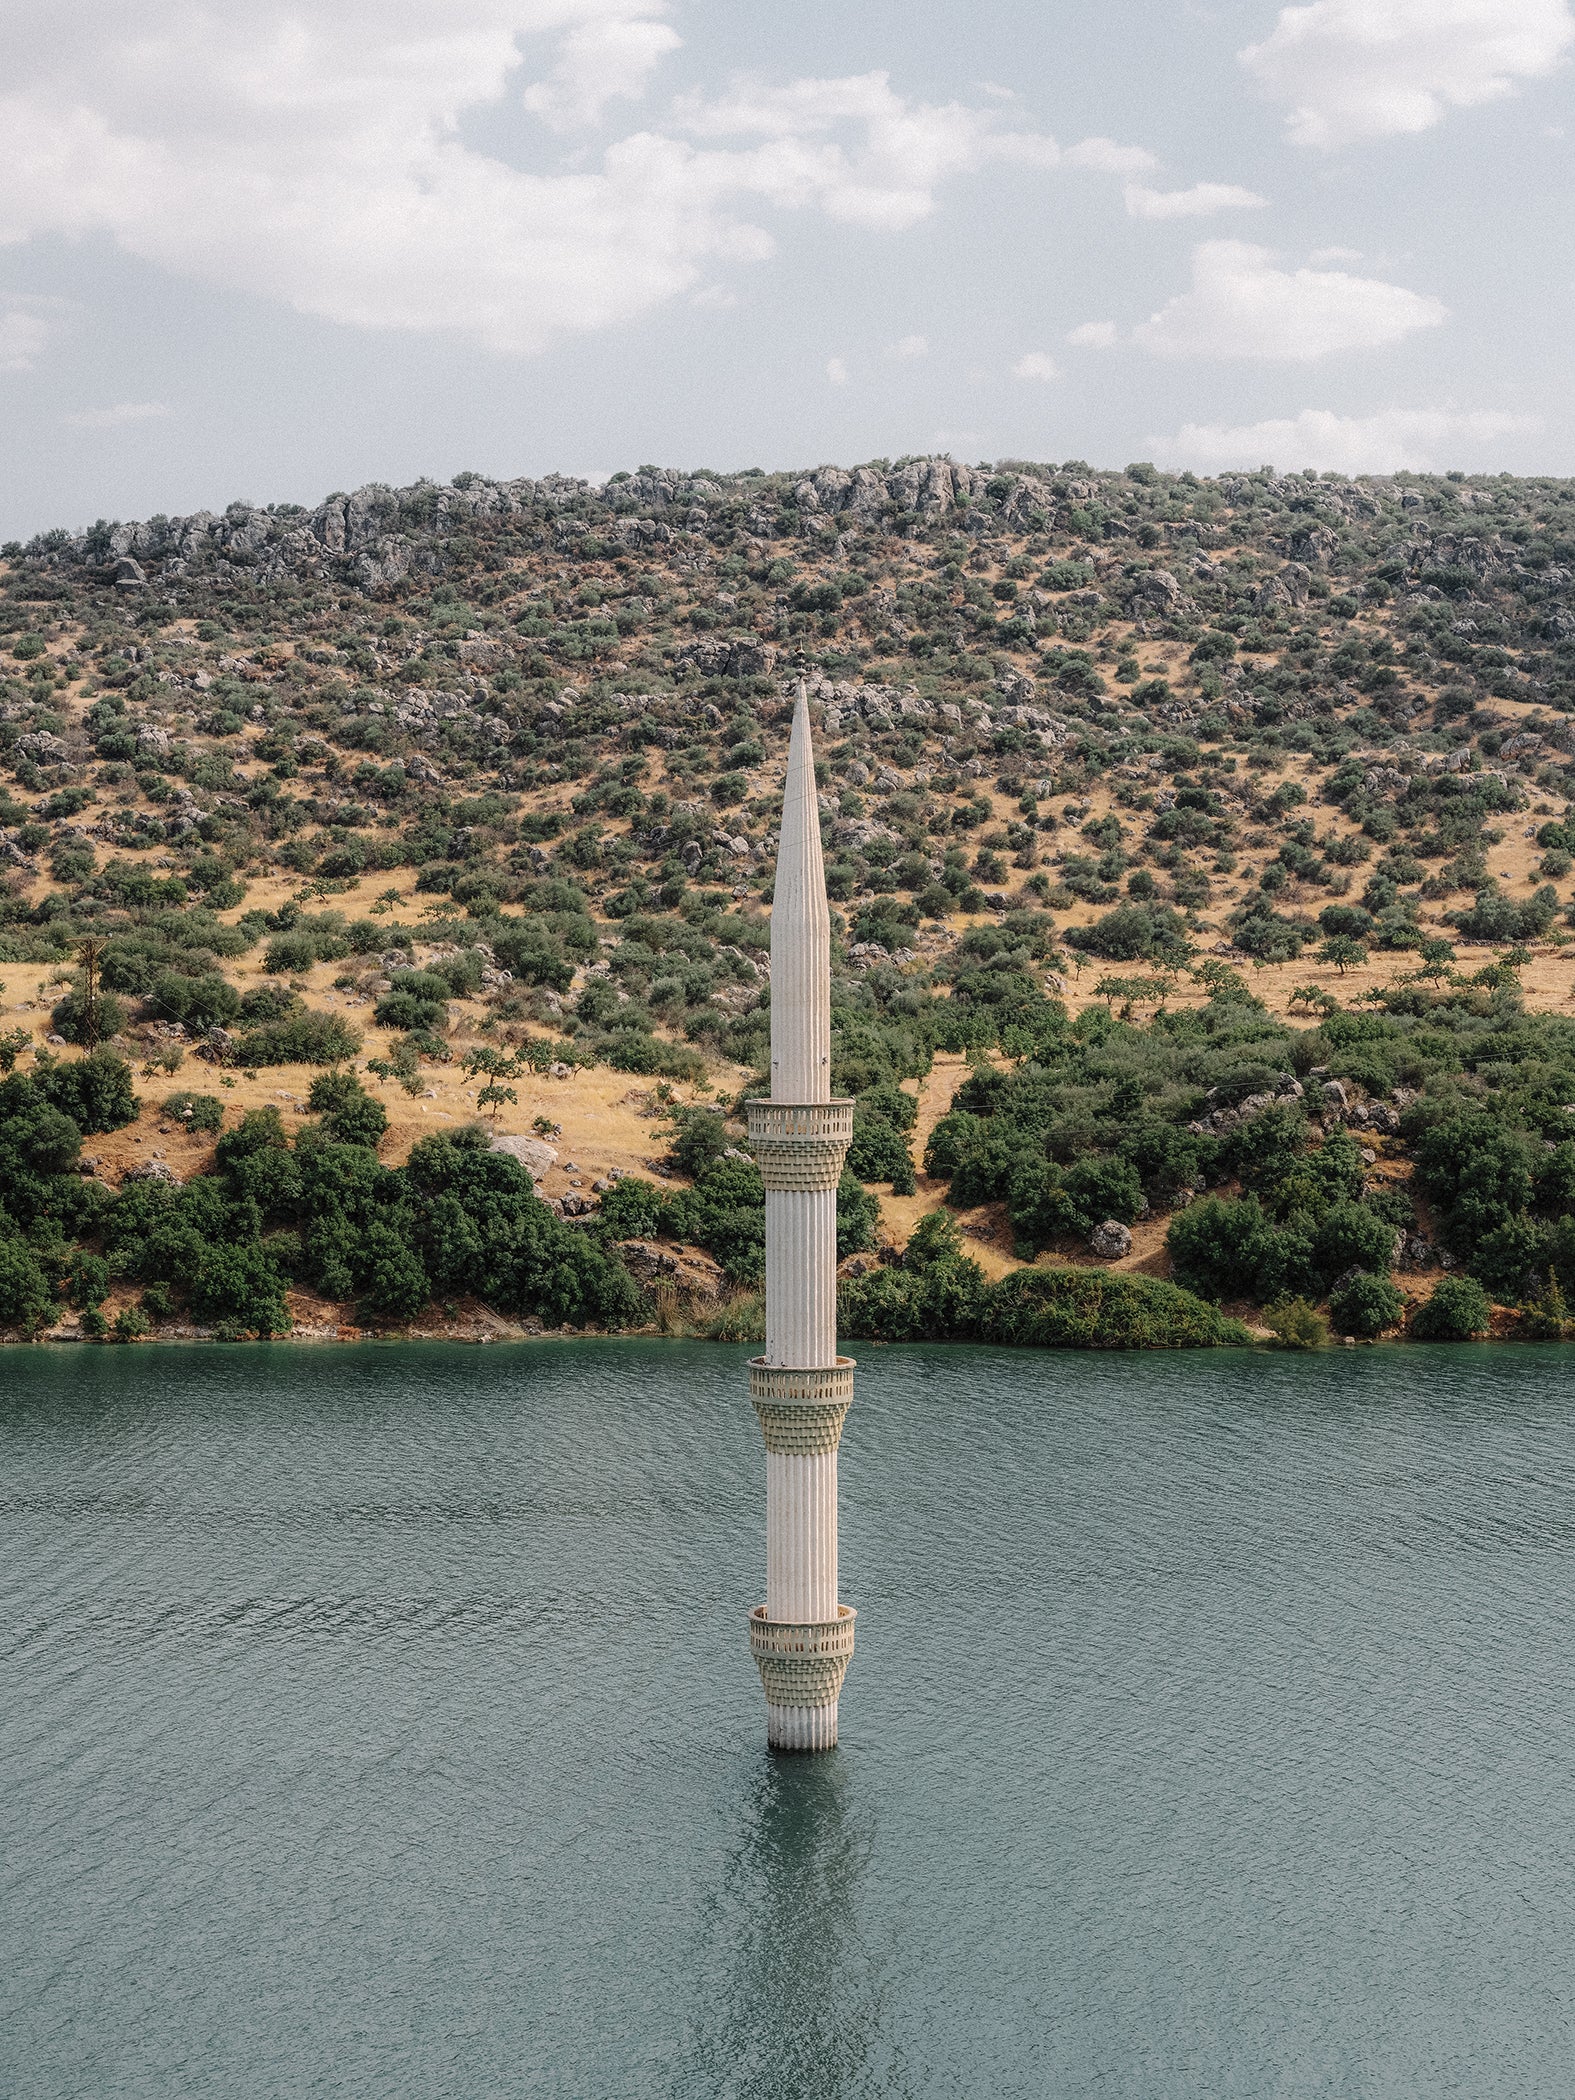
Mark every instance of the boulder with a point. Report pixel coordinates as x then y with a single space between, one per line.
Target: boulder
1111 1240
533 1153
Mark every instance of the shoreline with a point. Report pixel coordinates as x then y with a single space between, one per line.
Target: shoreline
1260 1342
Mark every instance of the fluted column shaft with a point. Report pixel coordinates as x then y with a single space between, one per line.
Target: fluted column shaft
801 1536
801 1277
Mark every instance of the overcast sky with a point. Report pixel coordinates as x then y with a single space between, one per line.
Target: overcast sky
269 250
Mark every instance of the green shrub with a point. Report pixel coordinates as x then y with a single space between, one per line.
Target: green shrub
94 1091
1547 1317
632 1050
198 1003
303 1039
194 1111
289 954
25 1299
1295 1324
350 1114
1225 1249
632 1210
1365 1306
1100 1309
70 1017
1458 1311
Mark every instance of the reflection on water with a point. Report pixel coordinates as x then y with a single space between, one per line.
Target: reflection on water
381 1722
802 2010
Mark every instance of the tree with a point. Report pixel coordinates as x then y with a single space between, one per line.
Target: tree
1437 956
483 1061
349 1113
24 1295
1365 1306
1458 1311
1344 952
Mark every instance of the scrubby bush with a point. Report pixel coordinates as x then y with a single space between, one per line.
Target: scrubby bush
303 1039
1365 1305
1099 1309
1295 1324
194 1111
94 1091
25 1300
1457 1311
631 1210
73 1019
350 1115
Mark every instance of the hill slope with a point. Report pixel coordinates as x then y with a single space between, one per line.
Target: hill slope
494 767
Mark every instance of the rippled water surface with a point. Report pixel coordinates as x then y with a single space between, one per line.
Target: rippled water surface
381 1722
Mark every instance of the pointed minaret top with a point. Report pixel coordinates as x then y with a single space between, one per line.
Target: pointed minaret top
800 934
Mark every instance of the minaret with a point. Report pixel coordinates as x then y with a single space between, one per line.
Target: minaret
801 1637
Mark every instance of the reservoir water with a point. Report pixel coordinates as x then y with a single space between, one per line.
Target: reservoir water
380 1721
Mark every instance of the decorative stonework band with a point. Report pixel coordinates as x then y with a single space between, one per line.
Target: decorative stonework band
800 1145
801 1432
801 1665
823 1383
801 1411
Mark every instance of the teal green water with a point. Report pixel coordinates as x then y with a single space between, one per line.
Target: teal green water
380 1722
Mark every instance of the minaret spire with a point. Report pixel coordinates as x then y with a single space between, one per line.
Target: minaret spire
801 1388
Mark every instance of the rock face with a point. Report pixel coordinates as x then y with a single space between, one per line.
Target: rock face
694 1277
1111 1240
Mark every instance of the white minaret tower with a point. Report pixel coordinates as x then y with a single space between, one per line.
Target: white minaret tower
801 1637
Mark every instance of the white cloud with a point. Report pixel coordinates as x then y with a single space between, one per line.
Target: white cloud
911 346
887 180
837 371
1352 69
1241 305
1425 440
601 61
1200 202
1105 157
1036 364
113 418
1094 335
23 336
312 153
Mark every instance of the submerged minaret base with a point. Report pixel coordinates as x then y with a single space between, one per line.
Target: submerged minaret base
801 1637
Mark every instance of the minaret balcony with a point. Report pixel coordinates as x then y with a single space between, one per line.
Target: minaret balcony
800 1145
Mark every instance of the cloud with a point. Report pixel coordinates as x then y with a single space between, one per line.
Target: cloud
1241 305
1353 69
911 346
887 178
113 418
23 337
1036 364
1094 335
1425 440
601 61
1200 202
1105 157
315 154
837 371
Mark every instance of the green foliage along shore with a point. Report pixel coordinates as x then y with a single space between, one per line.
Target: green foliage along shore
1247 1133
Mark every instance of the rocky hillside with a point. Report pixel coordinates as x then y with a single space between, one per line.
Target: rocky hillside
473 787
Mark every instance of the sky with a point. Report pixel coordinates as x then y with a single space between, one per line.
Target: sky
263 252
